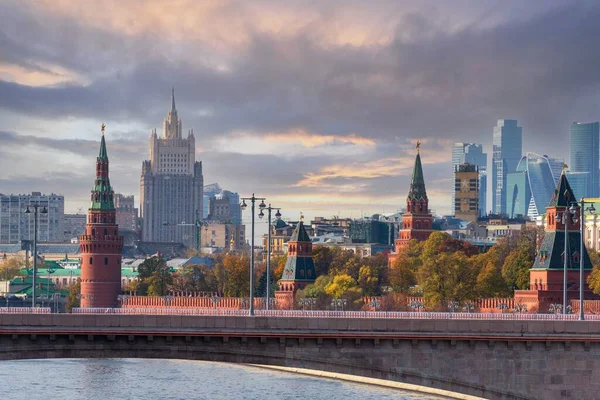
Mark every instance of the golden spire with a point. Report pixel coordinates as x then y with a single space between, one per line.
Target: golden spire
418 145
301 217
565 167
102 128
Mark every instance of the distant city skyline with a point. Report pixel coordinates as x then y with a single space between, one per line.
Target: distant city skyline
316 107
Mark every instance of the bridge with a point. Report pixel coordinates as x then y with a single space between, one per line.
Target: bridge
494 359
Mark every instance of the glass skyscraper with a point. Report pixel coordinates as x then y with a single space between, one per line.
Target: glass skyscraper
507 151
471 153
585 157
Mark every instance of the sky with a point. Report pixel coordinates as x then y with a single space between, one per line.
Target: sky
315 105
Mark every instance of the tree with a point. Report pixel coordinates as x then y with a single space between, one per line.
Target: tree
235 275
593 279
402 274
72 297
345 287
369 280
447 277
154 272
490 283
11 268
515 269
322 257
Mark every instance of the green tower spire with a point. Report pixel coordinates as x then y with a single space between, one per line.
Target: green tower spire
102 193
417 184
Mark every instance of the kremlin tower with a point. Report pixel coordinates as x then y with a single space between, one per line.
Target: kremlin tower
299 270
546 277
101 246
417 222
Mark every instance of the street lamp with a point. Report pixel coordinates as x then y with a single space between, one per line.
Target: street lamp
122 299
520 308
469 307
416 305
277 217
375 303
453 306
261 206
564 218
215 300
308 301
592 211
502 307
85 296
35 229
335 303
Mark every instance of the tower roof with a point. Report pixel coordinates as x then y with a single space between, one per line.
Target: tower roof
417 183
173 99
300 234
563 194
103 155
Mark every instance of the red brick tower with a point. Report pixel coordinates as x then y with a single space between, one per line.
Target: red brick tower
299 270
417 221
101 246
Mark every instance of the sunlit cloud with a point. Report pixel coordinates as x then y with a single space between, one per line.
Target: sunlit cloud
40 75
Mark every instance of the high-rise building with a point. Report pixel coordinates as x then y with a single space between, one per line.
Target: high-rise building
585 154
15 225
127 213
530 188
466 192
171 186
580 183
507 151
101 245
471 153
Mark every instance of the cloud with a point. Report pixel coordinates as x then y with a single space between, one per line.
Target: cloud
311 97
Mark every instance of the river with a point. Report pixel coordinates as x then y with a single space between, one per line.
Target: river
108 379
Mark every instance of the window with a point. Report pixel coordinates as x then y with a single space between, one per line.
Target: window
105 260
91 260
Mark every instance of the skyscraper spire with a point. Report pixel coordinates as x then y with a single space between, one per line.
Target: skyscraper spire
173 99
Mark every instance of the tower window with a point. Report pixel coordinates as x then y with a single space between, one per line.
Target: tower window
91 260
105 232
105 260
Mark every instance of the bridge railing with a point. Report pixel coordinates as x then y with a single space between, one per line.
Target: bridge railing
332 314
25 310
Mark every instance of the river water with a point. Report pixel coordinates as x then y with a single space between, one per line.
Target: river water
108 379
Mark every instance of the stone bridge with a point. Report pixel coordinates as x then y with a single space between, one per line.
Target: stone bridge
492 359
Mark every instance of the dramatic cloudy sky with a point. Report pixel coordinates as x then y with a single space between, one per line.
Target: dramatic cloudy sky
315 105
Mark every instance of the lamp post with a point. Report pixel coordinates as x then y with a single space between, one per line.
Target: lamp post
339 303
277 217
502 307
261 206
592 211
416 305
567 215
375 304
35 229
215 300
308 301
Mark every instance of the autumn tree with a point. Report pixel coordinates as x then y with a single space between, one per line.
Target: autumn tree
72 300
154 277
11 267
402 274
345 287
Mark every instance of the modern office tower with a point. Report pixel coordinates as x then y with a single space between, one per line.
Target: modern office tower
471 153
15 225
171 185
507 151
466 192
530 188
518 194
585 154
580 183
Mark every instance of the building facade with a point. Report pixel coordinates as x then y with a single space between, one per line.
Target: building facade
171 185
218 236
466 192
585 154
74 226
15 225
101 245
471 153
507 152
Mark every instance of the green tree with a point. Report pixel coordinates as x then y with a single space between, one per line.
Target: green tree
72 297
515 269
154 272
11 267
369 278
345 287
402 273
490 283
447 277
